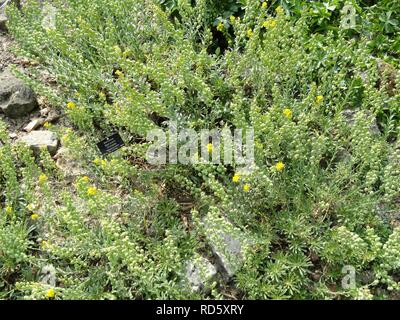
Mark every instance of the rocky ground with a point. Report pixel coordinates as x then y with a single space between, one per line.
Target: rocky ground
24 112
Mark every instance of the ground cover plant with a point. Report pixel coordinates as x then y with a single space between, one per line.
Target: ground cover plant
318 217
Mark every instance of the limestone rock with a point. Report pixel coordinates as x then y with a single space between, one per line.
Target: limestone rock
228 243
34 124
16 98
349 117
38 139
198 272
3 22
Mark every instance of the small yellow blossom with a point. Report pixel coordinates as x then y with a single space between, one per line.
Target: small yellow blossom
119 73
9 210
249 33
34 216
232 19
264 5
30 207
220 26
287 113
127 53
42 178
280 166
44 244
65 138
269 24
50 294
279 10
97 161
92 191
246 187
85 179
236 178
320 99
47 125
71 105
209 147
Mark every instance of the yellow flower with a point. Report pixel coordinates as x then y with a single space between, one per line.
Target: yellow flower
44 244
320 99
85 179
65 138
97 161
127 53
42 178
264 5
119 73
50 294
34 216
280 166
236 178
220 26
71 105
9 210
232 19
209 147
279 10
249 33
287 113
246 187
47 125
92 191
269 24
30 207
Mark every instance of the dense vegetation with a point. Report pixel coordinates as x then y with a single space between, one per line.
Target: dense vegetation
324 104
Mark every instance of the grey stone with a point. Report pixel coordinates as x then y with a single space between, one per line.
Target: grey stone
199 271
38 139
228 243
16 98
349 117
3 22
34 124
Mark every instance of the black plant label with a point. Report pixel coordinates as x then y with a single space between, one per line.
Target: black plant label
111 144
